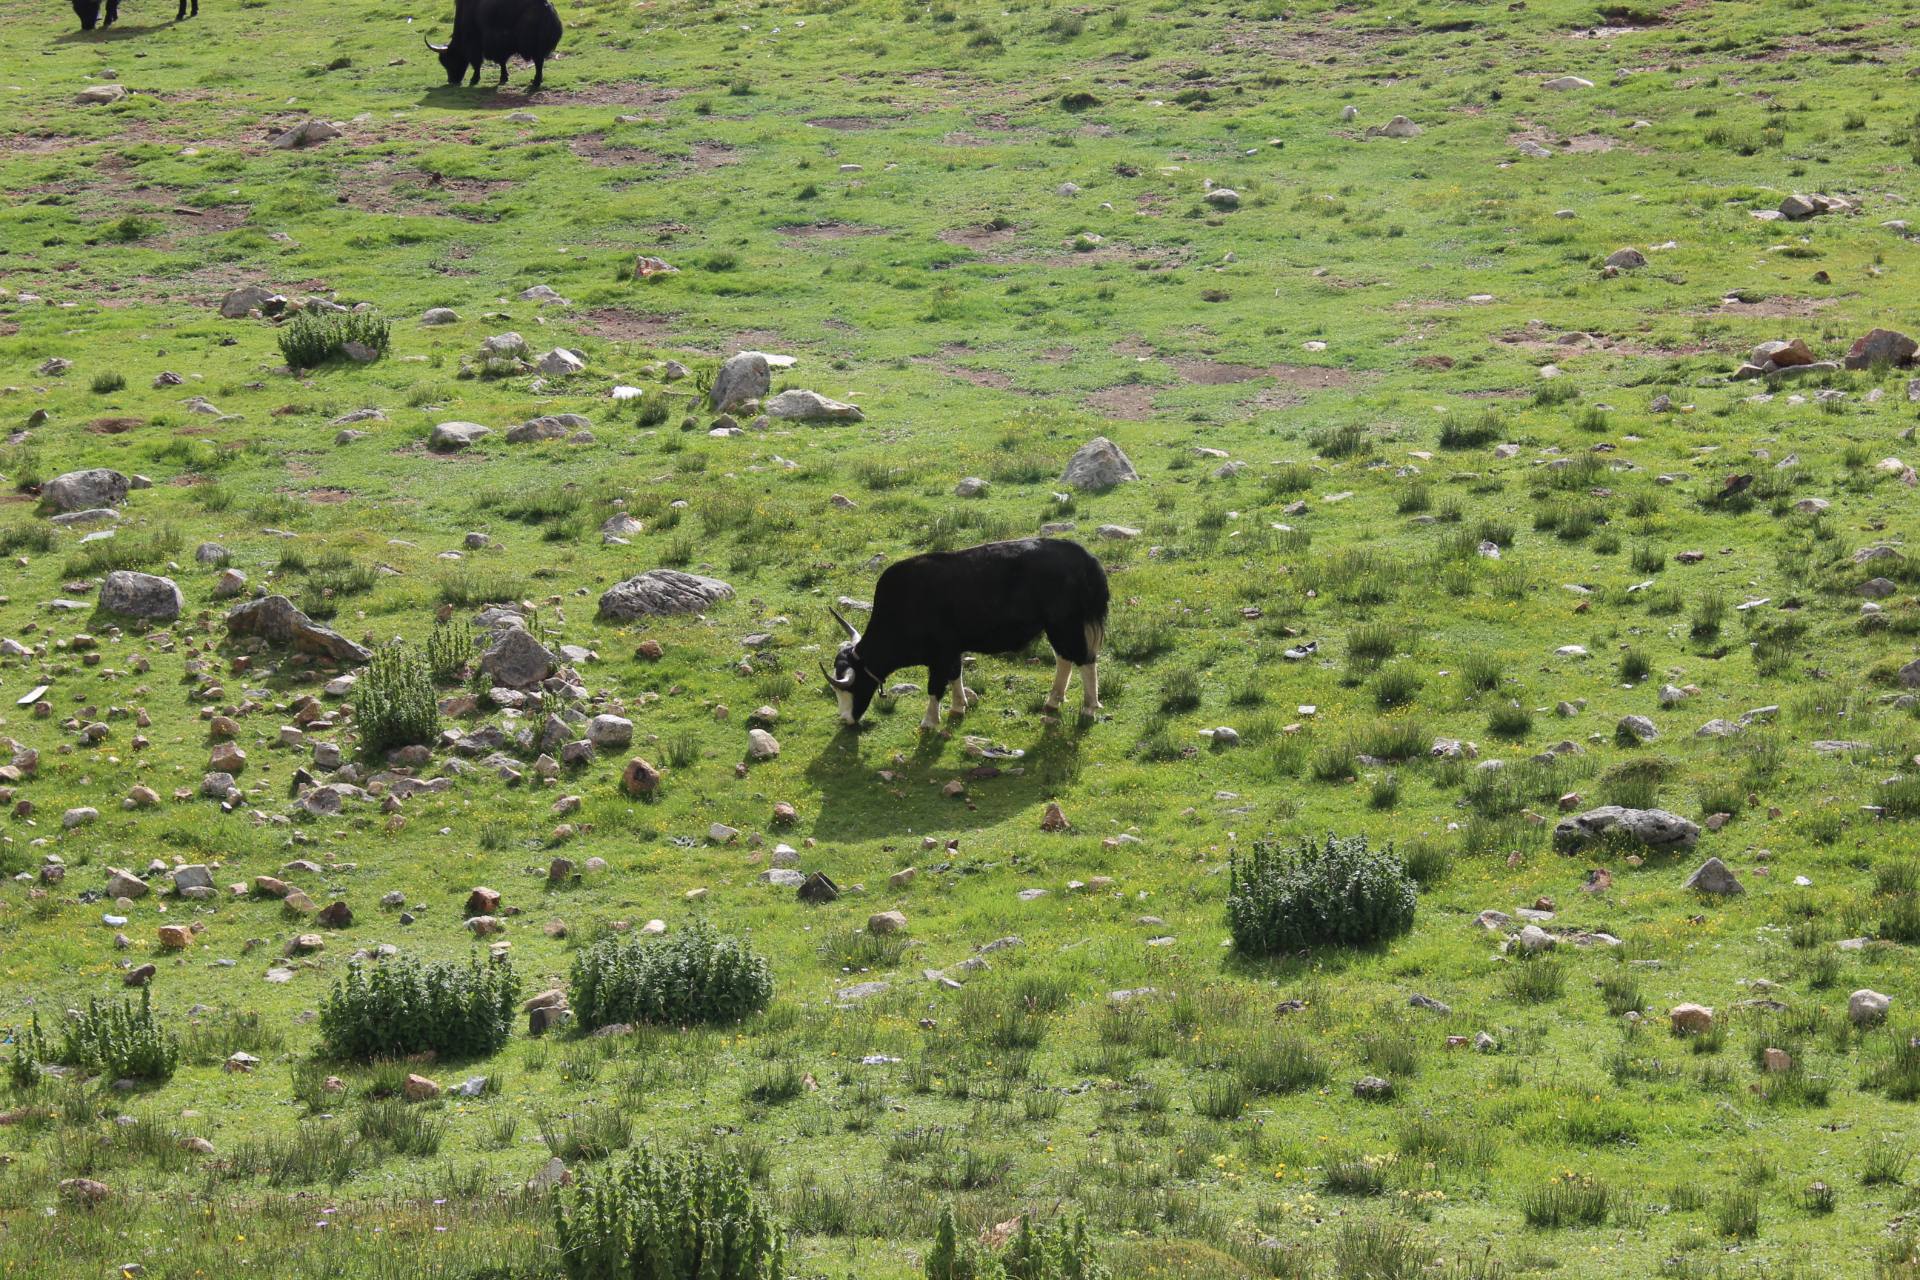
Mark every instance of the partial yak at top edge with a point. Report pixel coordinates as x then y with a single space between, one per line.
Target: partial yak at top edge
994 598
496 30
88 11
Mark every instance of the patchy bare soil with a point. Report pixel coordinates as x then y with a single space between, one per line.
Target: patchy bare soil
618 324
1131 401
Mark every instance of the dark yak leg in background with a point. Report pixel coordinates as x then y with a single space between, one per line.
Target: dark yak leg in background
1073 648
943 673
539 70
503 72
113 13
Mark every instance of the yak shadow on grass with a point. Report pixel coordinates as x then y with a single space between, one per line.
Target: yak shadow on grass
485 96
113 34
857 804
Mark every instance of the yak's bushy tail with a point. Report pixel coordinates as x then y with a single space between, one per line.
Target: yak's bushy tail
1094 612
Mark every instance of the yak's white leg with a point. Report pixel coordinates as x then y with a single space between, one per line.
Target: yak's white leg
1089 688
1062 672
931 720
962 697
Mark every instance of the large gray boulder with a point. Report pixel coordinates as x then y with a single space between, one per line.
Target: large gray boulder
141 595
1653 828
450 437
662 591
811 406
1098 464
744 377
517 660
556 426
82 490
249 298
276 620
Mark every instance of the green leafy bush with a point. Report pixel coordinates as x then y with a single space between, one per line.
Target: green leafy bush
119 1039
312 340
696 976
449 650
1046 1251
667 1217
1340 893
394 704
398 1007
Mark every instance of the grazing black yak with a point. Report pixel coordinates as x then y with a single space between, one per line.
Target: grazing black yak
88 12
994 598
496 30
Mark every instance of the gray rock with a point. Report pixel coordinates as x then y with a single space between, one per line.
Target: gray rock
1653 828
561 363
277 620
1865 1007
1638 727
746 376
84 490
811 406
549 427
517 661
249 298
450 437
1098 464
610 731
1714 876
1626 259
306 134
141 595
440 315
661 591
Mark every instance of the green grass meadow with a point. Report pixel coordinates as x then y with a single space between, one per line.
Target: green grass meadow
988 226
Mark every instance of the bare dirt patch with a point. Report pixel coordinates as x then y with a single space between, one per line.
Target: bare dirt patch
1209 374
979 238
115 426
618 324
384 187
830 231
1131 401
624 93
1779 307
595 149
326 495
853 124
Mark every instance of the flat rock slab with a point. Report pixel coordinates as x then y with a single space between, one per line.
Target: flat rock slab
660 592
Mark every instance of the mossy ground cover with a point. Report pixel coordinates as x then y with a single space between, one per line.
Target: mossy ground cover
881 191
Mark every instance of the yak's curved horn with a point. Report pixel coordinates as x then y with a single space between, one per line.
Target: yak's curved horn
437 48
853 637
838 684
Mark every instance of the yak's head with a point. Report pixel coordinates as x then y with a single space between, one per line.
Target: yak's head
455 64
853 682
88 11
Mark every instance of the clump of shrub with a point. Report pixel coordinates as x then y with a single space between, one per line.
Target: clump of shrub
449 650
394 704
312 340
114 1038
105 384
668 1217
1038 1251
1339 893
696 976
399 1007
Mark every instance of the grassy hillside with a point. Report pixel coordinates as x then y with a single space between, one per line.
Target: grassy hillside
1390 402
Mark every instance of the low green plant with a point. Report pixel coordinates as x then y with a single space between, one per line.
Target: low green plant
398 1007
691 1216
1339 893
696 976
449 649
394 704
1038 1251
312 340
120 1039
